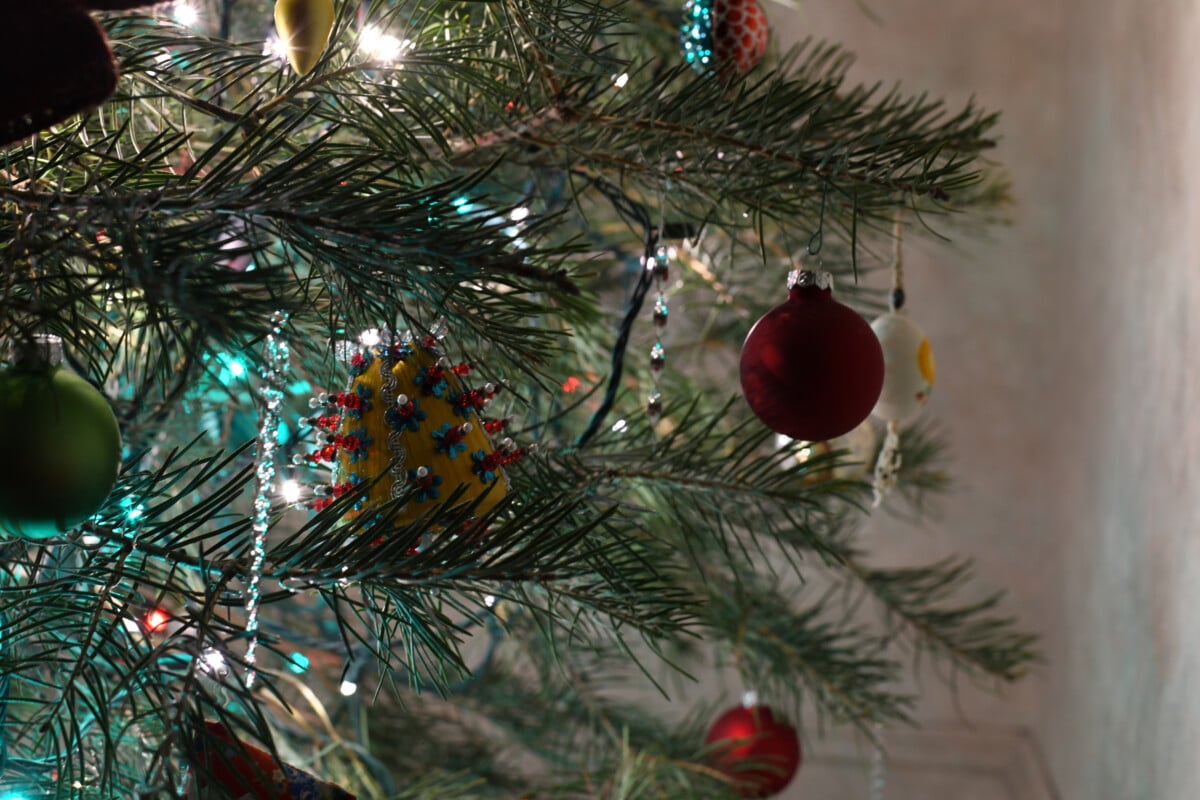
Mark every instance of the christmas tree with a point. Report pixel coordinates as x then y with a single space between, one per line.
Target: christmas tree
414 479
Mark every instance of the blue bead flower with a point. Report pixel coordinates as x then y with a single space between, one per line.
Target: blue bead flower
364 404
484 466
356 444
360 362
408 417
426 487
434 384
448 439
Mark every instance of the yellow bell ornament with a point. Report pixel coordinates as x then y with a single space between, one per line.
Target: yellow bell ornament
304 27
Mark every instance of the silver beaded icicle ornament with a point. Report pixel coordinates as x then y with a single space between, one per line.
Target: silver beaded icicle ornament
274 375
660 270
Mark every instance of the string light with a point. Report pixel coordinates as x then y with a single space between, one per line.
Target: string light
348 688
276 48
186 14
298 663
231 368
519 214
620 81
213 663
380 46
291 491
620 426
156 620
370 337
133 512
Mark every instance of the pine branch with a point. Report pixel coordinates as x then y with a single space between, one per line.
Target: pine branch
922 605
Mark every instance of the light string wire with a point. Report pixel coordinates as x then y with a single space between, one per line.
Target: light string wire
635 212
274 374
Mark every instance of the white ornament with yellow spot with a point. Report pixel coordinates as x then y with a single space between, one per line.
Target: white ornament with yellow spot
908 367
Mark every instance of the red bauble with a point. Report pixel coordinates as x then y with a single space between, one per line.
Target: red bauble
812 368
245 771
740 34
758 751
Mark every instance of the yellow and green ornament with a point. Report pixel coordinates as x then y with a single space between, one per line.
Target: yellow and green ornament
61 441
304 27
408 421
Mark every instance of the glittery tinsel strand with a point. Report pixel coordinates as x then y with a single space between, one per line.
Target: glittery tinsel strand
274 374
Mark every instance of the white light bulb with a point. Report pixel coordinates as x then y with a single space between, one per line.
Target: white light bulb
186 14
348 688
489 600
519 214
380 46
291 491
619 426
274 46
213 661
621 80
370 337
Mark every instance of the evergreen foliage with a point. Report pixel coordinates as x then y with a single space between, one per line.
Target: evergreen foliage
380 194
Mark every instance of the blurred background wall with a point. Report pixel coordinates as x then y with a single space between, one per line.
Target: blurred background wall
1068 348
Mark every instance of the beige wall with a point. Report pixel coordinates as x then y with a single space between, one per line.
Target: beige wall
1068 349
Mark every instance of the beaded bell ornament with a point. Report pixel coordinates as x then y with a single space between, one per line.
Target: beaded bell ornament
408 422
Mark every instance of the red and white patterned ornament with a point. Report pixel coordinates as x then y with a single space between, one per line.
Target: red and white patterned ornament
740 34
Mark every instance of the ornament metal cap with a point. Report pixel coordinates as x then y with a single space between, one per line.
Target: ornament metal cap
40 351
806 278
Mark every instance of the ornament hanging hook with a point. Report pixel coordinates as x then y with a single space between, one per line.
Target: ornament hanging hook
818 238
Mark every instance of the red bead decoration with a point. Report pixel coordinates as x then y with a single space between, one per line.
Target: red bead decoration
812 368
758 751
740 33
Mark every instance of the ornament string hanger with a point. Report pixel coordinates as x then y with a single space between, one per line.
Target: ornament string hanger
817 240
896 299
274 377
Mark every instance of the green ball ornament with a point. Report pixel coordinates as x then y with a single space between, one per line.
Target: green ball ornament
61 446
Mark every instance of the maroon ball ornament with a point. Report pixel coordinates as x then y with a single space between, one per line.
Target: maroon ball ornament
760 753
812 368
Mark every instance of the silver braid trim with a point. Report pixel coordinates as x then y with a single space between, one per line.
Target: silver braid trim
387 393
